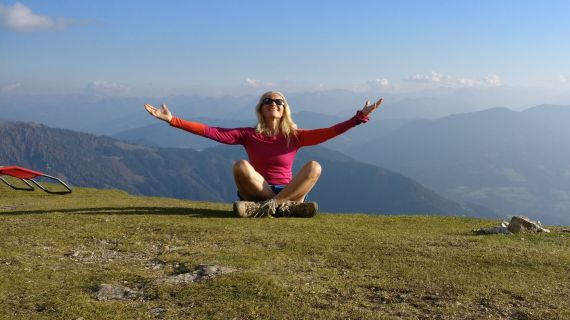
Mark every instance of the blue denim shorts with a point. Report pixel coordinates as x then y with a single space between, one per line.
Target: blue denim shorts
275 187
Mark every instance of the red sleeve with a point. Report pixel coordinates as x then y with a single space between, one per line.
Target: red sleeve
193 127
227 136
317 136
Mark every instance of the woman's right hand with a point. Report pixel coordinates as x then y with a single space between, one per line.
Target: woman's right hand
163 113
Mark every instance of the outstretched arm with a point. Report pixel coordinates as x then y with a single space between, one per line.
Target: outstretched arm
316 136
227 136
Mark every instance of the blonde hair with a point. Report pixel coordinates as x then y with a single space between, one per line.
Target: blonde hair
286 126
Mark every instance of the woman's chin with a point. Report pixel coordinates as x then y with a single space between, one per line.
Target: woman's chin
271 117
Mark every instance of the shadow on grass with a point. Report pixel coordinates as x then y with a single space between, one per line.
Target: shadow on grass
191 212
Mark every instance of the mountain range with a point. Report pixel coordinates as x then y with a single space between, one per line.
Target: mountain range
110 115
515 162
85 159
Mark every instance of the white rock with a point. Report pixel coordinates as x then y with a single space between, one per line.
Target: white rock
524 224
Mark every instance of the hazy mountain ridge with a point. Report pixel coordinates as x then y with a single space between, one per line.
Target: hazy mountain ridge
98 161
110 115
513 162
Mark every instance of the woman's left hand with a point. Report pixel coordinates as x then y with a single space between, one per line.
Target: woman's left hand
369 108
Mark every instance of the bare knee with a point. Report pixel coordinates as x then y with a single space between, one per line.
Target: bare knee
242 168
314 169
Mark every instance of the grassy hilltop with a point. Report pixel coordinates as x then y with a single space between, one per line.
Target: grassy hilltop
55 251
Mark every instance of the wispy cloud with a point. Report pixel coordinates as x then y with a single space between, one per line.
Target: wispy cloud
563 79
493 80
449 81
378 83
432 77
20 18
254 83
107 88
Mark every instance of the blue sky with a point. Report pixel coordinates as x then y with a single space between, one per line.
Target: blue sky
215 47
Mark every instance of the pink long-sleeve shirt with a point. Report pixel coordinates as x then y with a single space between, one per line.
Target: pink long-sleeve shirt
271 156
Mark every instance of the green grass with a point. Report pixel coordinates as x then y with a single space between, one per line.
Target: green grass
55 250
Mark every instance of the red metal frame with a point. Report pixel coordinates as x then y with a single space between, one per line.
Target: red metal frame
27 176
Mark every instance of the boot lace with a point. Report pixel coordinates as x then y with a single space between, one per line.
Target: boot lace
267 208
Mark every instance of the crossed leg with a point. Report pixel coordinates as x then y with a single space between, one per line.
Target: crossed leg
253 187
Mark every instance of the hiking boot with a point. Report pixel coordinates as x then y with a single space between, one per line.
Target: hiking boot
250 209
298 209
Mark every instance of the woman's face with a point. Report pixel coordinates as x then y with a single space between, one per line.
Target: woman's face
273 107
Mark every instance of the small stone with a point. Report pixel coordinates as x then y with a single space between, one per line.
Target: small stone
202 273
107 292
493 230
502 229
178 278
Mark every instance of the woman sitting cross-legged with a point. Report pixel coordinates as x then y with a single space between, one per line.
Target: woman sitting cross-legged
265 183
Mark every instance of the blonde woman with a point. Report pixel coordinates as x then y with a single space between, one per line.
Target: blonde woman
265 183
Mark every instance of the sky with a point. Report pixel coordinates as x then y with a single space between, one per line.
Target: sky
159 48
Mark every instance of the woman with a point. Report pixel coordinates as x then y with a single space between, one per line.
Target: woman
265 183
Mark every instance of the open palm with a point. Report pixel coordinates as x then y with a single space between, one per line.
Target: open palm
369 108
163 113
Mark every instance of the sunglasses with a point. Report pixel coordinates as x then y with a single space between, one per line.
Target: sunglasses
279 102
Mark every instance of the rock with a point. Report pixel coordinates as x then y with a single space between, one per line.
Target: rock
206 272
178 278
202 273
107 292
493 230
524 224
502 229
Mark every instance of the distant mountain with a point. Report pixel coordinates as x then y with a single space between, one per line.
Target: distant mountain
513 162
424 108
375 128
111 115
102 162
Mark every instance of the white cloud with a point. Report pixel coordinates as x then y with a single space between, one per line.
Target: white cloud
493 80
432 77
378 83
563 79
254 83
449 81
107 88
20 18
